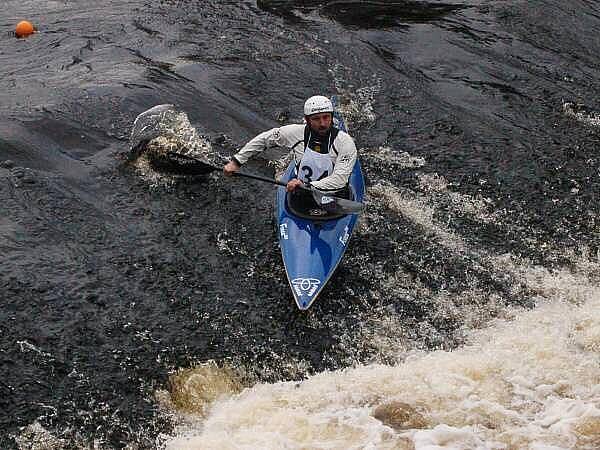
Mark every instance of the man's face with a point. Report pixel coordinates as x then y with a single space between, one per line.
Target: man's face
320 123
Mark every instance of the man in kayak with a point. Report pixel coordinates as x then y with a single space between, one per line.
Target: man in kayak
324 155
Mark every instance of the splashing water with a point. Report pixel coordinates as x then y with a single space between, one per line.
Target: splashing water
531 382
581 114
160 130
357 104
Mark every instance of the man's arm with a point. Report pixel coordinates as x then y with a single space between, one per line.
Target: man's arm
285 136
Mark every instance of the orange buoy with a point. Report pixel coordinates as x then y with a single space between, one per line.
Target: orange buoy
24 28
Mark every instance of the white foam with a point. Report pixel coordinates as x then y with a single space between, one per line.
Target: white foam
357 105
418 209
591 118
36 437
527 383
390 157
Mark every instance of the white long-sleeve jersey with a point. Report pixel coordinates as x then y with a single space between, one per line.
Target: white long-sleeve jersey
342 152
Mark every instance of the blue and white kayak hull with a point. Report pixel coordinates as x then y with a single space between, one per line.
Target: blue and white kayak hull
312 249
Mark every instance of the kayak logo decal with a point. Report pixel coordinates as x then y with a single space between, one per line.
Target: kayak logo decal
283 230
306 286
345 236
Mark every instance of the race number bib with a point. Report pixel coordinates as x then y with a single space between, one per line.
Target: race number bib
314 166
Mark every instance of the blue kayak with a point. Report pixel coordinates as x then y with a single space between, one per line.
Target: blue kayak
312 248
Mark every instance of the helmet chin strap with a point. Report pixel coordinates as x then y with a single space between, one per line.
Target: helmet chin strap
326 135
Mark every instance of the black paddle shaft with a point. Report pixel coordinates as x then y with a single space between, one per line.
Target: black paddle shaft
259 178
193 165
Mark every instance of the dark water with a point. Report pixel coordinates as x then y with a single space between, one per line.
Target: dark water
109 284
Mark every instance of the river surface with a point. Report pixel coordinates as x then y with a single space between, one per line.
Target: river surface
143 310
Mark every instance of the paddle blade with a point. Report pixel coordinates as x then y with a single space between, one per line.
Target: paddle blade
170 143
181 164
335 204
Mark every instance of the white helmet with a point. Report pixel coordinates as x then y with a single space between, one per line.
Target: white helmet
317 104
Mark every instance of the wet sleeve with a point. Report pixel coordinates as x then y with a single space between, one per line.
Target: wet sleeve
342 170
285 136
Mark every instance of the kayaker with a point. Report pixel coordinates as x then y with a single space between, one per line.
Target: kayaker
324 155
